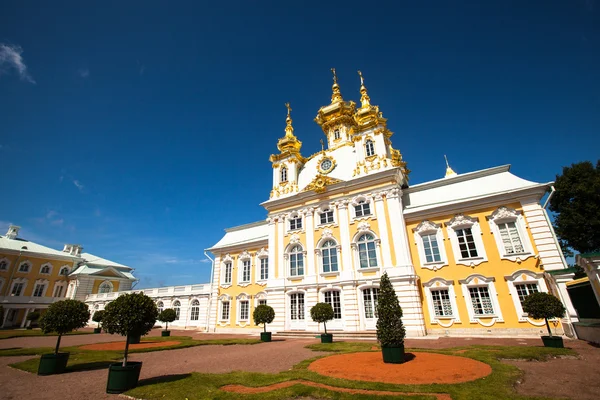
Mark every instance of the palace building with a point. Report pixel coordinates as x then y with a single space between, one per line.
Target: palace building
461 251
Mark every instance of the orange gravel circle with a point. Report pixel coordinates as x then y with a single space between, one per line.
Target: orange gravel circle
121 345
422 368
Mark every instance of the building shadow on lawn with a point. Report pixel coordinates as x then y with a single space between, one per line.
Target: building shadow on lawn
163 379
91 366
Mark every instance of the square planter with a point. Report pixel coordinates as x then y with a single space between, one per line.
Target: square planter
553 341
122 379
51 364
393 354
133 339
326 338
97 330
165 333
265 336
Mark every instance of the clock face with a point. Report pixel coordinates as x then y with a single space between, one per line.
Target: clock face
326 164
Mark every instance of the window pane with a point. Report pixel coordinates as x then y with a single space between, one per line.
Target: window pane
441 302
525 289
481 301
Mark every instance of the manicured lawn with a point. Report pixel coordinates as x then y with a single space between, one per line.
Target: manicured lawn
13 333
498 385
95 359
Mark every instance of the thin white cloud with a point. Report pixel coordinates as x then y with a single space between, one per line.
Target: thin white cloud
78 184
10 58
50 214
57 222
84 73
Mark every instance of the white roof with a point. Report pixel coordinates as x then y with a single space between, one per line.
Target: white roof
244 234
18 243
95 260
89 270
463 187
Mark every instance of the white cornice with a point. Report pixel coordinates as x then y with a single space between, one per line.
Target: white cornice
458 178
45 256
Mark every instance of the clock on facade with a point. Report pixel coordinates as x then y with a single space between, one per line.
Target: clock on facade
326 165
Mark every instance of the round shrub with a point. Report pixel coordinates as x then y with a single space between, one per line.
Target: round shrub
543 306
321 313
167 315
390 330
63 317
97 317
33 316
263 314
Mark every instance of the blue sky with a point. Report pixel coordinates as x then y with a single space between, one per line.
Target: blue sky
142 129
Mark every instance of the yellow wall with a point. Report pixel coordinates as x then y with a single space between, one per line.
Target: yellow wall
493 267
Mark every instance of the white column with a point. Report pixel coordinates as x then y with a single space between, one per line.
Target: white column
25 318
213 301
272 221
280 250
342 207
400 239
310 242
383 232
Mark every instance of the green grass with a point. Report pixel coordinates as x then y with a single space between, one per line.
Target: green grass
14 333
81 359
496 386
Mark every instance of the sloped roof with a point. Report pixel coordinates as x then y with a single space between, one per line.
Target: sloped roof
240 235
18 243
91 259
91 270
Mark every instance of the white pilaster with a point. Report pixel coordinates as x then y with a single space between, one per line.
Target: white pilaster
310 242
271 246
400 239
383 232
342 207
280 250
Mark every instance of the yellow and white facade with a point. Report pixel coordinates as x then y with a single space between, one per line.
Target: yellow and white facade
461 251
33 276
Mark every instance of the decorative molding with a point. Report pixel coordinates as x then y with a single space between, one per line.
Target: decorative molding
295 239
460 220
262 253
328 234
504 213
364 227
426 226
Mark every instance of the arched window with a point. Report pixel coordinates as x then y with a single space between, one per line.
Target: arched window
329 256
3 265
284 174
45 269
370 147
160 305
367 255
195 314
64 271
24 267
177 308
105 287
296 261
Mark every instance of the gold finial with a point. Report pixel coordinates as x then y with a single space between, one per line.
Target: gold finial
449 171
365 100
334 76
322 146
337 95
289 130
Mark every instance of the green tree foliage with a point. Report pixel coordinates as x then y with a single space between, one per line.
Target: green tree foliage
577 203
97 317
263 314
132 314
543 306
167 315
321 313
63 317
1 315
33 317
390 330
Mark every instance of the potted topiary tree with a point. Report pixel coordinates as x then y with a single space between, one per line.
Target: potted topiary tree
390 331
167 315
264 314
61 317
130 315
1 316
32 317
97 317
321 313
545 306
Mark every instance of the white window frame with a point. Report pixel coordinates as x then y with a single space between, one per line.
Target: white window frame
262 254
503 215
112 288
47 264
243 259
424 228
16 281
176 305
29 266
283 174
477 280
224 299
460 221
295 216
319 254
368 142
226 260
160 305
239 299
260 297
298 308
288 261
337 134
354 245
356 201
57 285
445 321
524 276
339 292
195 308
63 268
7 263
44 282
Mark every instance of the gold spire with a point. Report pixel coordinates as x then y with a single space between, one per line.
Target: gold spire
337 95
365 101
289 142
449 171
289 129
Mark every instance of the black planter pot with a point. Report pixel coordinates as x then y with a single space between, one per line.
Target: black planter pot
29 328
165 333
51 364
326 338
135 339
553 341
265 336
97 330
393 354
122 379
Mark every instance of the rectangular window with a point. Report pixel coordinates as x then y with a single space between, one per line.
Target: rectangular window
58 291
262 302
195 314
329 257
480 298
244 307
297 306
441 302
370 302
24 268
432 251
17 289
466 243
264 269
327 217
525 289
510 238
246 271
362 209
227 272
332 297
296 264
225 310
295 223
39 289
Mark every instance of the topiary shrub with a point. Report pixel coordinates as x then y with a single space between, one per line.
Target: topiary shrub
132 314
1 315
167 315
321 313
263 314
32 317
390 330
543 306
97 317
63 317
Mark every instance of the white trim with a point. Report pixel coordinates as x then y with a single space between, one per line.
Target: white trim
325 237
504 215
14 282
40 281
356 201
262 254
445 321
523 276
460 221
476 280
238 312
427 227
23 263
64 286
287 261
7 261
112 287
288 219
46 264
227 259
242 258
340 323
68 270
224 298
326 207
355 251
361 305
